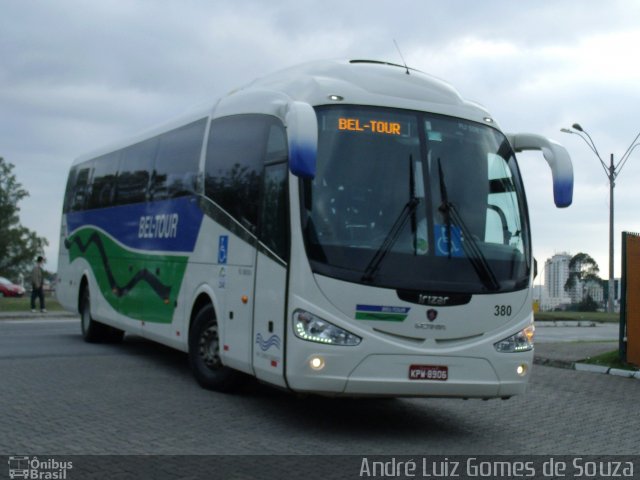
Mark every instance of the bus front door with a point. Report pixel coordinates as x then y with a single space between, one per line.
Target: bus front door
271 277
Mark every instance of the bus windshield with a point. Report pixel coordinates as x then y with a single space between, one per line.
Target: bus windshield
415 201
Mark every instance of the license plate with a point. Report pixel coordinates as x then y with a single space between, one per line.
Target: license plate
429 372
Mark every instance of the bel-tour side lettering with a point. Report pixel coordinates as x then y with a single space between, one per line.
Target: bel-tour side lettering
158 226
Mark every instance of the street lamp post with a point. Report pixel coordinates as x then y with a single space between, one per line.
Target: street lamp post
612 171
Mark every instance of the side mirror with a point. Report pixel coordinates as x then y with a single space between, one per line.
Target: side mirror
302 132
558 159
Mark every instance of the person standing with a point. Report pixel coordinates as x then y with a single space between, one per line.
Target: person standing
37 282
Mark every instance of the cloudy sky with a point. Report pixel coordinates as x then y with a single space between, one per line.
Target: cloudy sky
76 75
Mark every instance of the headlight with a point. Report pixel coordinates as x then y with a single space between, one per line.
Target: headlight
314 329
520 342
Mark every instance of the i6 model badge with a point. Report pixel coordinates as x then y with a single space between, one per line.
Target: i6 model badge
432 314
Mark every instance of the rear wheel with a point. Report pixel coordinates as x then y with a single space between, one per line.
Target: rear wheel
204 354
93 331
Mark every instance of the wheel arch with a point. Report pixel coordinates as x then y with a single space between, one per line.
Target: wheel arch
202 299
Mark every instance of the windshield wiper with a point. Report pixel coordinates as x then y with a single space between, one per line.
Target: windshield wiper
469 244
392 236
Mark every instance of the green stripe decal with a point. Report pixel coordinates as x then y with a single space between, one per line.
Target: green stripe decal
140 286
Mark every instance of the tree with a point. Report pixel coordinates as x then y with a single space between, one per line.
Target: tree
19 246
582 270
588 304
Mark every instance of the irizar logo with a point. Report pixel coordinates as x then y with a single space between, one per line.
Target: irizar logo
432 299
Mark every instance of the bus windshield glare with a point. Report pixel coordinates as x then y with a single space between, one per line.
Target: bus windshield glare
415 201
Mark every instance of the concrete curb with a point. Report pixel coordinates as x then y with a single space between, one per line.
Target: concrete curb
567 323
622 373
618 372
35 315
586 367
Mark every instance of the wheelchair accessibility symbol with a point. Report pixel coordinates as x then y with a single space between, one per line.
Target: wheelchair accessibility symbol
446 246
223 245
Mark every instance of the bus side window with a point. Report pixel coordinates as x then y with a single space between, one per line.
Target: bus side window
502 225
136 163
80 189
68 192
276 144
104 180
233 171
175 171
274 222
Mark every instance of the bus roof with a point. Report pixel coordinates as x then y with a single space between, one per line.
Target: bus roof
356 82
362 82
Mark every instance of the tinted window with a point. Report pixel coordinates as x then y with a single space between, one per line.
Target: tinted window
176 166
68 192
276 144
274 222
104 181
235 154
135 166
80 188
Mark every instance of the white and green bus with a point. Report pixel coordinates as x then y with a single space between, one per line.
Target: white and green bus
341 228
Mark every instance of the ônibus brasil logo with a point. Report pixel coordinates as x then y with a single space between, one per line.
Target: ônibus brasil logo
34 468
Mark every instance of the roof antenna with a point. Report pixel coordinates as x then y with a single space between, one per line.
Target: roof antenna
403 60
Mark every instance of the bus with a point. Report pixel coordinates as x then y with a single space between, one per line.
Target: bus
19 467
343 228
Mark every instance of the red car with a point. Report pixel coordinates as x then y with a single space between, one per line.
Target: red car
8 289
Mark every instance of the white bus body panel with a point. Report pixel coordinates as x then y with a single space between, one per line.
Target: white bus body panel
268 319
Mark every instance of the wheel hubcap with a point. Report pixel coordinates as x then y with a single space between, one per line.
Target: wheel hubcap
210 347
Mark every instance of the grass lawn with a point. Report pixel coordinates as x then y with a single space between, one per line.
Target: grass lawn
12 304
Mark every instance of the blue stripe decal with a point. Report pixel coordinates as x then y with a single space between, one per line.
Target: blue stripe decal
166 226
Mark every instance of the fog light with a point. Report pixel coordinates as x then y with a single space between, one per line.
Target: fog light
316 363
522 369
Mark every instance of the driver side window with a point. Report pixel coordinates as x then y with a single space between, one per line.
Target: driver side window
502 226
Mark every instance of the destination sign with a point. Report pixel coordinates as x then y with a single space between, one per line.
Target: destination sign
372 126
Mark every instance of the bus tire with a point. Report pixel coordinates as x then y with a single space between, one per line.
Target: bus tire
93 331
204 354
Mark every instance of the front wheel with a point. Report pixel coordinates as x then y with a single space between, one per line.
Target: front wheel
204 354
92 331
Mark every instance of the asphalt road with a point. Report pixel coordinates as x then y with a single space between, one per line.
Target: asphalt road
62 396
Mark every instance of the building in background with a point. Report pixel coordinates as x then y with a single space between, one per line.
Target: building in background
556 273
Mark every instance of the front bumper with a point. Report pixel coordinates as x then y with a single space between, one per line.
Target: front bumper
388 375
